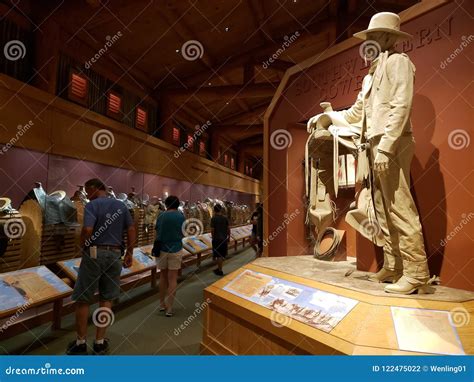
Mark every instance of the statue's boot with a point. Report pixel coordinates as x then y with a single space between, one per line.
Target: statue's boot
386 276
407 285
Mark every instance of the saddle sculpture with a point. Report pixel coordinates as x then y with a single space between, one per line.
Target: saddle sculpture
331 136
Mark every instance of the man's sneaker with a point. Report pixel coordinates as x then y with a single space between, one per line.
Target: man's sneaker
74 349
218 272
101 349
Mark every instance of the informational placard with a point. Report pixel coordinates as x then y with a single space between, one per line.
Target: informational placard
238 233
248 284
194 245
70 267
314 307
426 331
206 239
142 260
29 286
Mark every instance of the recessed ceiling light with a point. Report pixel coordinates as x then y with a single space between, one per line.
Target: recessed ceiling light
177 50
227 29
209 84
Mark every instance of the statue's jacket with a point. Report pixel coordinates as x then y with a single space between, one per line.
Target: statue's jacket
384 103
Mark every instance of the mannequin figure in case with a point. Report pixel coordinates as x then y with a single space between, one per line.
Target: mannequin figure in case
383 109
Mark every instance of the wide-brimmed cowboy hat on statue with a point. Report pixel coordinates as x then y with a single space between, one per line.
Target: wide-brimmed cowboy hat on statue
383 22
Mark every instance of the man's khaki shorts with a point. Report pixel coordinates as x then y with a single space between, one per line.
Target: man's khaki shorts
169 260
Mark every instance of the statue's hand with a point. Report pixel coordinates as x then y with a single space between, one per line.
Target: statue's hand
312 123
381 162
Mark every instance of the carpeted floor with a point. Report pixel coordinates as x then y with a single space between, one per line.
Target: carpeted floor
139 328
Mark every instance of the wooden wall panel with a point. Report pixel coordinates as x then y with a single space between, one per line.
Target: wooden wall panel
67 129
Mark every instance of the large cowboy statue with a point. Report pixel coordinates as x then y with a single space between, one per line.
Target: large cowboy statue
383 110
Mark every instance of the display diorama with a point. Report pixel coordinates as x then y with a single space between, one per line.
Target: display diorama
392 293
377 129
40 252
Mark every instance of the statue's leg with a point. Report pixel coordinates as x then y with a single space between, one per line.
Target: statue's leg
392 267
395 184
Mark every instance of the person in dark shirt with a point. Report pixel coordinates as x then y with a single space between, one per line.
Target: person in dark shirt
253 238
105 221
220 231
169 233
260 230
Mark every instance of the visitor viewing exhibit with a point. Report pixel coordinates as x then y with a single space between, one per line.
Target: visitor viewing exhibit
265 178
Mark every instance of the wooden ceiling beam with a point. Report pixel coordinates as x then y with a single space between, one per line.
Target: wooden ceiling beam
281 65
244 129
235 118
256 140
227 93
105 15
81 46
176 22
93 3
198 118
259 19
255 149
260 53
249 73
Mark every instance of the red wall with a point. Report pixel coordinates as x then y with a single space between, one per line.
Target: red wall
441 172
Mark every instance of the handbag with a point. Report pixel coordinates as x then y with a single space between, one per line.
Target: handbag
155 251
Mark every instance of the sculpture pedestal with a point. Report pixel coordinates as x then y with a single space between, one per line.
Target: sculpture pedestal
373 323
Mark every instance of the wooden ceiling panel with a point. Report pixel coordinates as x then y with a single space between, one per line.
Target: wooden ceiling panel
297 13
154 31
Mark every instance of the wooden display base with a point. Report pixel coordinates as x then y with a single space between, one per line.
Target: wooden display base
236 326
